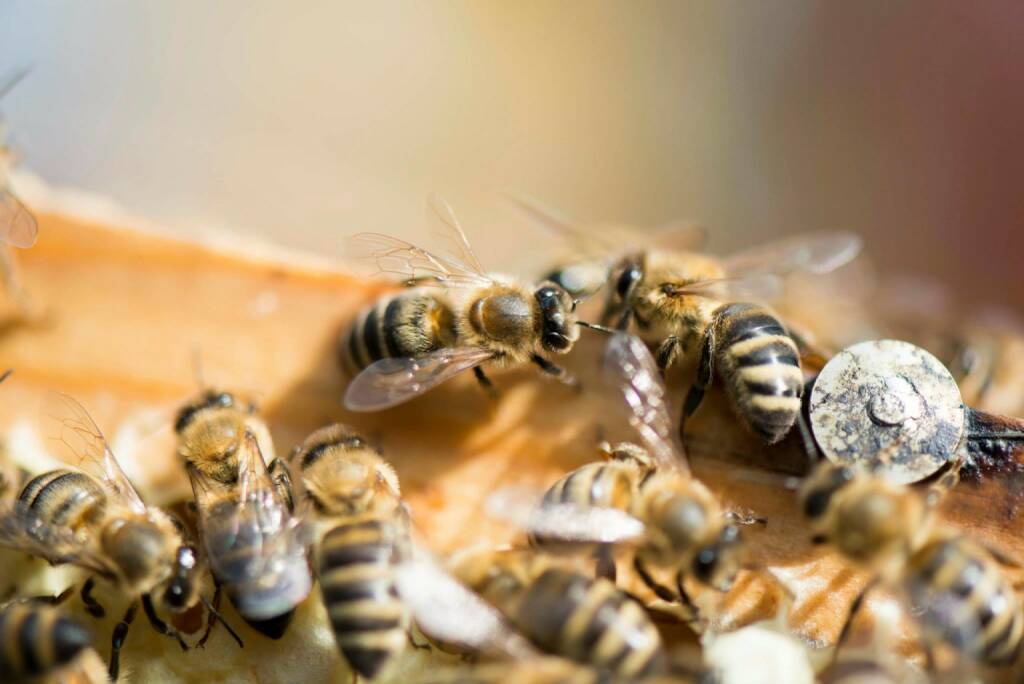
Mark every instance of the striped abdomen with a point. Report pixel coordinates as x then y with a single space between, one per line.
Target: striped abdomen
411 323
607 485
966 600
356 566
589 621
65 498
761 367
36 639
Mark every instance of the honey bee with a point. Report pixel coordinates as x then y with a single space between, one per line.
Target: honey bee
566 613
372 582
684 301
256 547
94 519
408 343
18 227
643 497
954 584
355 494
37 641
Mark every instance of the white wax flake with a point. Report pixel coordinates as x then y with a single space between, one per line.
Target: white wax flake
759 655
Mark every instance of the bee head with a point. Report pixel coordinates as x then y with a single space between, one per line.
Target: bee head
558 318
210 399
181 589
624 278
718 563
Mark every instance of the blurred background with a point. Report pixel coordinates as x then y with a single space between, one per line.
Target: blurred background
303 122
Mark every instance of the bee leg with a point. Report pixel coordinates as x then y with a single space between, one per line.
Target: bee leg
485 382
945 484
421 646
854 609
705 370
555 371
117 640
214 616
49 599
810 446
159 625
660 590
686 601
668 352
606 565
92 606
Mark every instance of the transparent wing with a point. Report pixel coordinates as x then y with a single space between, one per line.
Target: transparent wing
585 239
813 252
679 236
12 80
757 287
608 240
563 522
69 424
18 226
631 366
447 611
390 382
255 547
444 223
460 268
22 530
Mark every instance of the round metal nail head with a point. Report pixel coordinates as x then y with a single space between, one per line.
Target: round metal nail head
890 406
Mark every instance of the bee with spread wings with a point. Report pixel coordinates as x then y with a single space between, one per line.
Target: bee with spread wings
644 497
255 546
93 518
457 317
692 303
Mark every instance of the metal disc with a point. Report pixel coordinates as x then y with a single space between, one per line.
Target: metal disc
889 406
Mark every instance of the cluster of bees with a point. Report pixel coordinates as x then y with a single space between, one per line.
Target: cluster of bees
266 531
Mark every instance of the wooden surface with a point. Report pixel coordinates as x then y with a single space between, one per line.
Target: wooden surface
125 314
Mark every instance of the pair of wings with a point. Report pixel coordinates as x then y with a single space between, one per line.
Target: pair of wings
18 226
629 365
390 382
252 541
68 425
754 273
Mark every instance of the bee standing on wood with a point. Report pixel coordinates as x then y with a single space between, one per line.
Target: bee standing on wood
954 584
94 519
373 579
255 546
566 613
691 303
410 342
645 498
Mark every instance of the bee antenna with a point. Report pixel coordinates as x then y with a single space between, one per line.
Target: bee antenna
6 374
214 613
598 328
575 303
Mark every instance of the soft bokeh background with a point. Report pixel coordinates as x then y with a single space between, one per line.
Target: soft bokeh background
302 122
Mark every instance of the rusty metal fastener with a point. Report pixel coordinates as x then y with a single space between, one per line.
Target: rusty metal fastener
891 406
